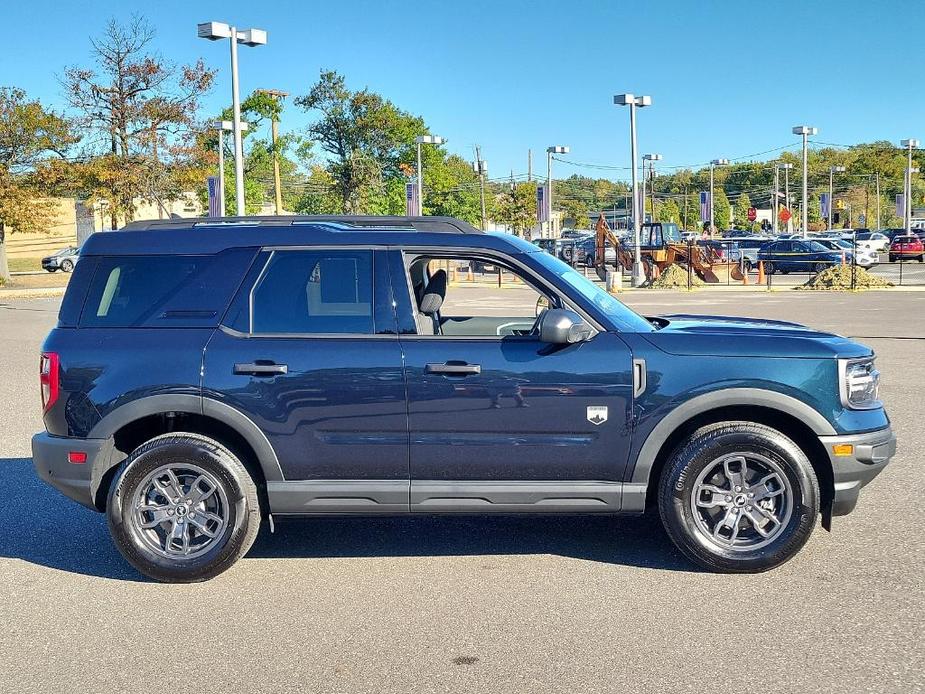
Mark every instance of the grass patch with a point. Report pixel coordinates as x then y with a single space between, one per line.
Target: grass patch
24 264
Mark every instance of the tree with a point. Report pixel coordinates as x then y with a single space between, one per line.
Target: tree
452 189
28 133
139 115
742 206
721 209
368 138
577 213
516 207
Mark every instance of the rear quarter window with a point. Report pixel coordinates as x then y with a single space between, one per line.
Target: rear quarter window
163 291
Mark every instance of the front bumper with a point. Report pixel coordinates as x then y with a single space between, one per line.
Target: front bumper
870 453
75 481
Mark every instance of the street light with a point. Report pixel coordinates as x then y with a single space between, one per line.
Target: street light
832 171
223 126
424 140
249 37
651 158
805 131
557 149
714 163
633 101
907 221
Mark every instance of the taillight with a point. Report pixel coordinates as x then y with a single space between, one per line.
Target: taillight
48 377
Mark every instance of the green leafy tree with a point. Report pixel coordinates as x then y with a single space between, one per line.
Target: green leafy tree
28 134
721 210
516 207
575 213
742 205
366 136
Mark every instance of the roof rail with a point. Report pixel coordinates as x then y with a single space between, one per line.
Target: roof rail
431 224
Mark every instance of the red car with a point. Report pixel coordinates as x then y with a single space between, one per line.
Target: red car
907 248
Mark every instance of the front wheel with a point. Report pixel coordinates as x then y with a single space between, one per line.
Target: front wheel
819 267
738 497
183 508
67 265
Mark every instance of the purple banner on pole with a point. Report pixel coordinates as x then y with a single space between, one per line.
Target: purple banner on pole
901 205
411 199
542 205
824 205
704 206
214 207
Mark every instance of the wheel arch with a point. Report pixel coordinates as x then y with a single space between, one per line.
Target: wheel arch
130 425
793 418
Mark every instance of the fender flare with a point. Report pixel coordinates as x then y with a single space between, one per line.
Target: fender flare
182 402
635 490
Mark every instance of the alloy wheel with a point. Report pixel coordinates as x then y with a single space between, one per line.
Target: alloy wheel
180 511
742 502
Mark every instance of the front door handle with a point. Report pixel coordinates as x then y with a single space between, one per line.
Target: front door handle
454 368
261 369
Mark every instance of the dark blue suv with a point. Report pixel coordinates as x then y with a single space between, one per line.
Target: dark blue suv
206 377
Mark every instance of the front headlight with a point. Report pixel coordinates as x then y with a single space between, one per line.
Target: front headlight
859 383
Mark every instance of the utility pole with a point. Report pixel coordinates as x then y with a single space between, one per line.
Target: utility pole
481 167
529 166
774 204
557 149
907 197
787 196
274 130
832 171
878 200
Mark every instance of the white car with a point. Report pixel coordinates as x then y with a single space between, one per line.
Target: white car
864 257
875 241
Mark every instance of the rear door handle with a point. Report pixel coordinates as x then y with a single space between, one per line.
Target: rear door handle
261 369
451 368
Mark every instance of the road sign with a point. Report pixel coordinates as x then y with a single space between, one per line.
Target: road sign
784 215
752 214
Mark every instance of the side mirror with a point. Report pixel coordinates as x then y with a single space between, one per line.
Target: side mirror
559 326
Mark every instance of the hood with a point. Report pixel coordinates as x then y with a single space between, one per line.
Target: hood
727 336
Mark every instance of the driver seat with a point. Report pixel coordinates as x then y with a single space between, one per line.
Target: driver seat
429 303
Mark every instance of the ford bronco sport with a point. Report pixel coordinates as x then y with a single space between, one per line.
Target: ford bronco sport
205 377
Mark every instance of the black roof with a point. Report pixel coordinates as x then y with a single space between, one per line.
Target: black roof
194 236
431 224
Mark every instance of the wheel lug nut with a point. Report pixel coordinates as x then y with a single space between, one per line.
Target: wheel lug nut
751 495
169 511
728 498
738 489
748 508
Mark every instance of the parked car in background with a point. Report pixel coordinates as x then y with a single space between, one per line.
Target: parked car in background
799 256
865 257
690 235
748 248
874 240
909 247
63 260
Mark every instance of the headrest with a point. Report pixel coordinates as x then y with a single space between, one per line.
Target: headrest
434 293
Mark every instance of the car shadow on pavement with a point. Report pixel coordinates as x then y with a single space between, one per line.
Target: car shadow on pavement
43 527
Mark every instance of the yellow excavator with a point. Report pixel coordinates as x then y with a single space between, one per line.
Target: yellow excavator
661 245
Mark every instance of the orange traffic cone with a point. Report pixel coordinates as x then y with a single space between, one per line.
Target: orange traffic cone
745 276
843 258
760 272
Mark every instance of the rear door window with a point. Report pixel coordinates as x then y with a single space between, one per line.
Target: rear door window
314 292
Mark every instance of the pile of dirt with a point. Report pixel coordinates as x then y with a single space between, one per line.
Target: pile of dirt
838 277
675 277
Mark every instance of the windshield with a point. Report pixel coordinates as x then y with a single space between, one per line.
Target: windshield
623 317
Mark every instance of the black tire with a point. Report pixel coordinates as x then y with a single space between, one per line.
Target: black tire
242 514
52 269
67 265
700 453
892 258
747 265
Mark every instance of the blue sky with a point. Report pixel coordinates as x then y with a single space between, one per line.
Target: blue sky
728 79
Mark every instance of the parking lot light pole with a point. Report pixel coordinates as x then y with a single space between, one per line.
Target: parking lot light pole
633 101
557 149
424 140
907 217
805 131
215 31
832 171
713 164
786 168
651 158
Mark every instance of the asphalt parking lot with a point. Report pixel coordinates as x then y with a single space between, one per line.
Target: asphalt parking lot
465 604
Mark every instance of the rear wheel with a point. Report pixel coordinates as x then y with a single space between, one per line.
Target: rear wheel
769 268
183 508
738 497
819 267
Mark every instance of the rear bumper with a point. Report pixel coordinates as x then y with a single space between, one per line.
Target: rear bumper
50 458
870 453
